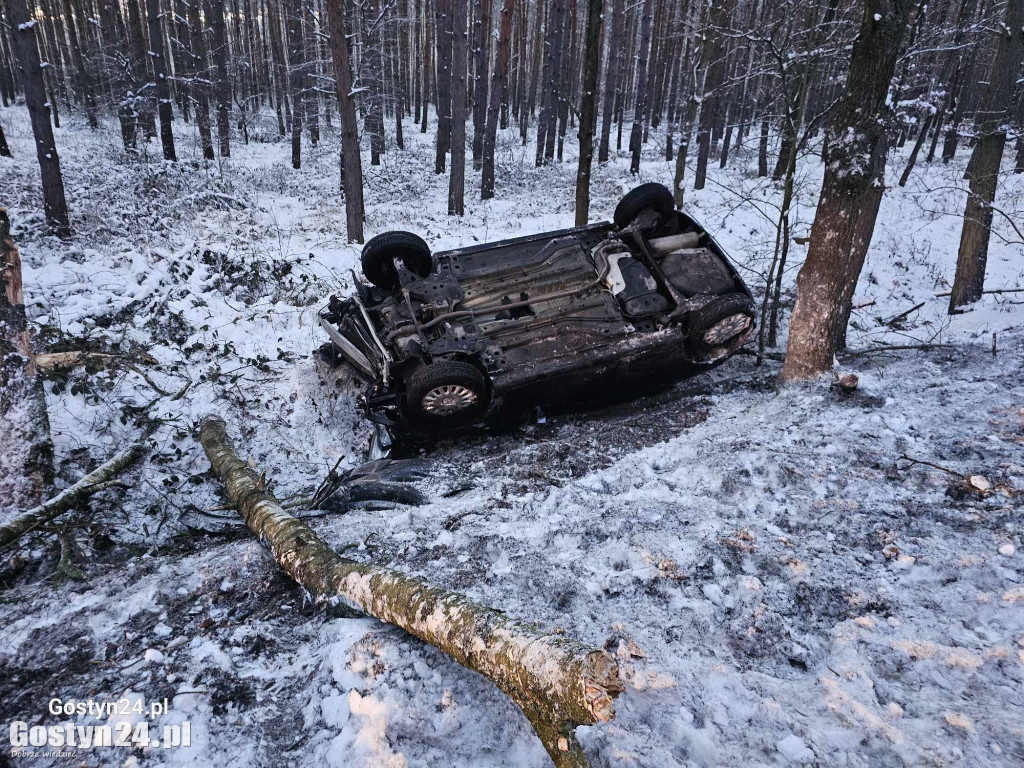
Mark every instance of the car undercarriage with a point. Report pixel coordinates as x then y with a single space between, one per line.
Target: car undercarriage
462 336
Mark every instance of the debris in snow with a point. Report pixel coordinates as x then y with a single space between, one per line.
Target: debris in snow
153 656
793 749
979 484
849 382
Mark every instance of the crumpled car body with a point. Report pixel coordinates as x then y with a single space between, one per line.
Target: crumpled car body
538 320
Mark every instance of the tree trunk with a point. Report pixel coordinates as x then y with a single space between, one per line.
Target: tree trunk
610 80
482 54
163 91
23 31
26 463
215 13
428 66
559 683
201 84
297 79
457 182
84 79
443 37
905 176
641 92
5 150
983 168
352 175
498 77
851 192
588 108
713 57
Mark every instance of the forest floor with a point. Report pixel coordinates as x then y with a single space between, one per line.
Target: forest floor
800 592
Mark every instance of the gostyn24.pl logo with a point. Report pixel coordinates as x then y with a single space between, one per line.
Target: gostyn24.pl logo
121 734
130 727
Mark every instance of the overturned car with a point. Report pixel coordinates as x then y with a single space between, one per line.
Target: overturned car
455 338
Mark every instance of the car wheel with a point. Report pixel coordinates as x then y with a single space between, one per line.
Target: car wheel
721 322
446 393
379 254
656 196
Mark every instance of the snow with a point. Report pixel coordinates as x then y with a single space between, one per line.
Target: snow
797 594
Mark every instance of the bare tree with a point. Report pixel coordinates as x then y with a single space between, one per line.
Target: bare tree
457 182
498 79
993 117
352 175
850 195
23 32
588 108
163 91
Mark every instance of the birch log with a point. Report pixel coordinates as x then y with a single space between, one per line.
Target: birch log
94 482
559 683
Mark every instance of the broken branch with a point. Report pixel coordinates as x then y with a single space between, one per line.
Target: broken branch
557 682
92 483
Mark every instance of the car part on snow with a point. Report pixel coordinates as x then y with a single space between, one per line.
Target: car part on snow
558 682
381 252
652 195
446 392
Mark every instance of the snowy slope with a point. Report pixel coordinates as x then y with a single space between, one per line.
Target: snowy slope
800 594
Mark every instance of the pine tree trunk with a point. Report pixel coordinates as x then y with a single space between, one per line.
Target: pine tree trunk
588 108
443 37
352 176
610 80
84 78
482 54
215 16
460 64
498 77
851 192
23 32
983 168
713 57
200 87
163 91
428 66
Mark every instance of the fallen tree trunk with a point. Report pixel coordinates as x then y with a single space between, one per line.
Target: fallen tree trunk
92 483
26 451
557 682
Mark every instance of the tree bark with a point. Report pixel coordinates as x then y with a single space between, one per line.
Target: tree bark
851 192
84 78
26 463
481 55
610 80
457 181
912 160
559 683
23 31
443 37
983 168
713 59
498 78
215 13
163 91
297 78
352 175
201 83
588 108
71 497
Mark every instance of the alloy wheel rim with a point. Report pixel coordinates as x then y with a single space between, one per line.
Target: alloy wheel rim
448 399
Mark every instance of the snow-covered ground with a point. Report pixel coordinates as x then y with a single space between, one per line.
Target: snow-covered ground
800 593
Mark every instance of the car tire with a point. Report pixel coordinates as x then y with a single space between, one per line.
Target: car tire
720 322
379 254
652 195
446 393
